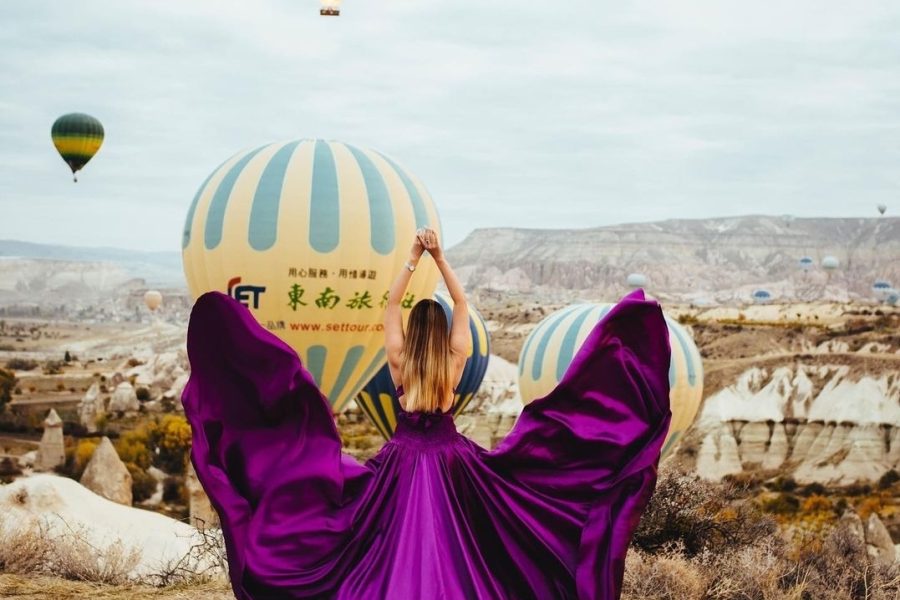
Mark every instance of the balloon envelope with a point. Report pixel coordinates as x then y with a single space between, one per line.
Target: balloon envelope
309 235
806 263
762 296
830 263
882 208
153 299
636 280
77 138
550 347
378 399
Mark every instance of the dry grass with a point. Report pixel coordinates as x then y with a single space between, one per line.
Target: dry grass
33 587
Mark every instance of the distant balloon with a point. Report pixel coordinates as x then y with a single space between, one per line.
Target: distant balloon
892 297
882 289
330 8
882 208
806 263
153 299
762 296
378 399
550 347
830 263
309 234
636 280
77 138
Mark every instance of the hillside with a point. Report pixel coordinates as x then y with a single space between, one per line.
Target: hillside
703 260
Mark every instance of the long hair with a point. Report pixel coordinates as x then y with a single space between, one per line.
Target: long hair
425 360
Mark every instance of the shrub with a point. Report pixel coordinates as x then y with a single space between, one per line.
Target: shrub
174 490
133 362
142 393
7 385
816 503
780 504
888 479
143 484
53 367
698 516
21 364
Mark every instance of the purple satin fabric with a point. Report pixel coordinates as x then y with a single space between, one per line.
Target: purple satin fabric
548 514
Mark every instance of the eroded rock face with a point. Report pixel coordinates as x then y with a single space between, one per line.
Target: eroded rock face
106 474
819 424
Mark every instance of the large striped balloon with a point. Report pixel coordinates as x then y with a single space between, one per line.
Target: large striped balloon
77 138
378 399
309 235
550 347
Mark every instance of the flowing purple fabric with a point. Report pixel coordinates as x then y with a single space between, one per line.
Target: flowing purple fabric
548 514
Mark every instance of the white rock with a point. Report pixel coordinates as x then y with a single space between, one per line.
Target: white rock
61 506
107 475
124 399
52 451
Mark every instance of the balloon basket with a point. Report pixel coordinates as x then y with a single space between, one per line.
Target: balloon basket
330 12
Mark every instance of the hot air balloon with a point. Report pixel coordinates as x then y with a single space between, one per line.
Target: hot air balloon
881 289
882 208
330 8
806 263
892 297
761 296
550 347
830 263
636 280
153 299
378 399
77 138
309 234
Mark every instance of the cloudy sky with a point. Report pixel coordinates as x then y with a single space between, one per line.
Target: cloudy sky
512 112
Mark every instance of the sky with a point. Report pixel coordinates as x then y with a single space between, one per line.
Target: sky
513 113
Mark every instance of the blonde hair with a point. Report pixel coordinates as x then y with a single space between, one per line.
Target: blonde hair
425 359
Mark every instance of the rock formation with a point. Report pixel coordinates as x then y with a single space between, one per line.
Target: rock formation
201 511
124 398
52 450
816 423
106 474
91 408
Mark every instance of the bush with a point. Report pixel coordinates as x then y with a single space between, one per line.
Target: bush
21 364
888 479
142 393
133 362
780 504
699 517
8 383
53 367
143 484
174 491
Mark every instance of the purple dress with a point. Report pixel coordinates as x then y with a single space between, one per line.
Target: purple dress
548 514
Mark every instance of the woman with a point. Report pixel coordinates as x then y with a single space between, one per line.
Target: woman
548 514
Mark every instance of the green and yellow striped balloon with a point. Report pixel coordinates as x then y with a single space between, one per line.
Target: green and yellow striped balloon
77 138
309 234
550 347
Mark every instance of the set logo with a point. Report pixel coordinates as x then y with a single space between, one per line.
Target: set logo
248 295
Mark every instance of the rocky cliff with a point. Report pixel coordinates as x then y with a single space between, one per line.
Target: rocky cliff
705 260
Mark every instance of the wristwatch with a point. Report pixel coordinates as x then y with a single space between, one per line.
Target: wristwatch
410 266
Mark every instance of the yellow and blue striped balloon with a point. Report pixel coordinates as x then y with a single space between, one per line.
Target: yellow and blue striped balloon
550 347
309 234
378 399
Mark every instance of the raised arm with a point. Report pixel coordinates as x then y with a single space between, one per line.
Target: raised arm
460 334
393 319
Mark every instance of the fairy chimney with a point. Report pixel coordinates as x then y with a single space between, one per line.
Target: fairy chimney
106 474
52 450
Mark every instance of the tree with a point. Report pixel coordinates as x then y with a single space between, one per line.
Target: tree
8 383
